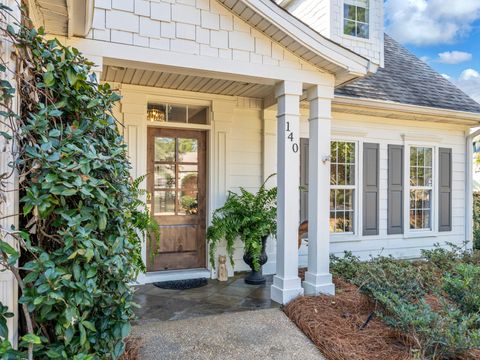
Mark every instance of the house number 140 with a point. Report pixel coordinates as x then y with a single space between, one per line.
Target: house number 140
291 137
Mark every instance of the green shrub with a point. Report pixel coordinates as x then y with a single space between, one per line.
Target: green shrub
82 222
439 330
476 220
346 267
463 287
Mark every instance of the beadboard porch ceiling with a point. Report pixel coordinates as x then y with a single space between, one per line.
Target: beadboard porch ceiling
177 81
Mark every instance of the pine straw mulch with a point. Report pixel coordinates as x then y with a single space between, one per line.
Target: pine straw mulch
337 326
132 348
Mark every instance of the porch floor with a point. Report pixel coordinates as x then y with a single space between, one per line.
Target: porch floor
213 299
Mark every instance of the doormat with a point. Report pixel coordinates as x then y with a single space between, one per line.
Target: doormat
182 284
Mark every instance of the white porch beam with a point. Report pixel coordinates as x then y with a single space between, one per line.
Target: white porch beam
286 283
318 278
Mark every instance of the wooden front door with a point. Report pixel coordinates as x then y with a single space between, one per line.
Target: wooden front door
177 184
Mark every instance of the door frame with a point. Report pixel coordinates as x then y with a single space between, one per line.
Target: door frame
176 132
208 129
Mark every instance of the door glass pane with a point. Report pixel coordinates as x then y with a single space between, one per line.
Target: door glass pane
177 113
164 149
165 176
188 177
188 203
164 203
197 115
187 150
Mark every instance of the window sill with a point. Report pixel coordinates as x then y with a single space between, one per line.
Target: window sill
420 234
347 237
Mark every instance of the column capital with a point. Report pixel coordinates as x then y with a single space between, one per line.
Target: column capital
320 92
288 88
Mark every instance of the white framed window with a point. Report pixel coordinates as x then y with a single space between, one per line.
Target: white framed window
421 188
343 187
356 18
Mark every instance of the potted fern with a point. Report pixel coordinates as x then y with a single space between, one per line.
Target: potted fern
251 217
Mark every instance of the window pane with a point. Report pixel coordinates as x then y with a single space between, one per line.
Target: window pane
349 12
188 203
333 174
156 113
363 30
339 200
428 157
413 176
333 151
332 222
341 180
362 15
349 199
164 203
413 156
164 176
349 221
197 115
177 113
188 177
187 150
420 156
332 199
350 172
164 149
428 177
349 28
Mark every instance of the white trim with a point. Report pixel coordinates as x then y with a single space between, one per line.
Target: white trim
357 199
416 111
172 275
433 231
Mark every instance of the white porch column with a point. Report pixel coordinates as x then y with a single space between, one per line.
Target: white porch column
318 278
286 283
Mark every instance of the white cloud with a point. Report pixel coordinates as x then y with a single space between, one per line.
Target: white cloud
425 59
426 22
454 57
469 82
448 77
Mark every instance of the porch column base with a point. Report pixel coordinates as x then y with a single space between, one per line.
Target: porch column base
285 290
316 284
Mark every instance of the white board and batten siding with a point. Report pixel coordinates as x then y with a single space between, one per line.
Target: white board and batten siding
234 142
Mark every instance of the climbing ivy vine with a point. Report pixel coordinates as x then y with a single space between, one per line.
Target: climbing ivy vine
81 217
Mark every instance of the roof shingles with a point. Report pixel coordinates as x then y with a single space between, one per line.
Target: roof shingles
408 80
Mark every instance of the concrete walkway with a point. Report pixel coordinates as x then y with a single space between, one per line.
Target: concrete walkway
260 334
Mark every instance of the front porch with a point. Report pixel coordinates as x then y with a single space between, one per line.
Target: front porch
213 299
238 146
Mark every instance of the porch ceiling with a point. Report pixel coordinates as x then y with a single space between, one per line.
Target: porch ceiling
169 80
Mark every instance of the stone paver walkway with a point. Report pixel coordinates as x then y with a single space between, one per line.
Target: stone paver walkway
260 334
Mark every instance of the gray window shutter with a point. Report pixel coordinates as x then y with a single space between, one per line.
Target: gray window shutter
370 188
395 189
445 190
304 179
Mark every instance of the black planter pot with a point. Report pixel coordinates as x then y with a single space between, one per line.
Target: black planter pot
256 277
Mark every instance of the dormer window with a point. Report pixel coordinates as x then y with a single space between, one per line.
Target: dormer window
356 18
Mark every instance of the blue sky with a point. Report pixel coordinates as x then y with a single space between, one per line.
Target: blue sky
444 33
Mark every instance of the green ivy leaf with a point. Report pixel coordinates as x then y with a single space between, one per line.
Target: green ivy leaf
32 339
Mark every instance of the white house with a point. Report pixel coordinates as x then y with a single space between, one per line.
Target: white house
219 94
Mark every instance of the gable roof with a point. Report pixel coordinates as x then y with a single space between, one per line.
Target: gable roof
408 80
277 23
